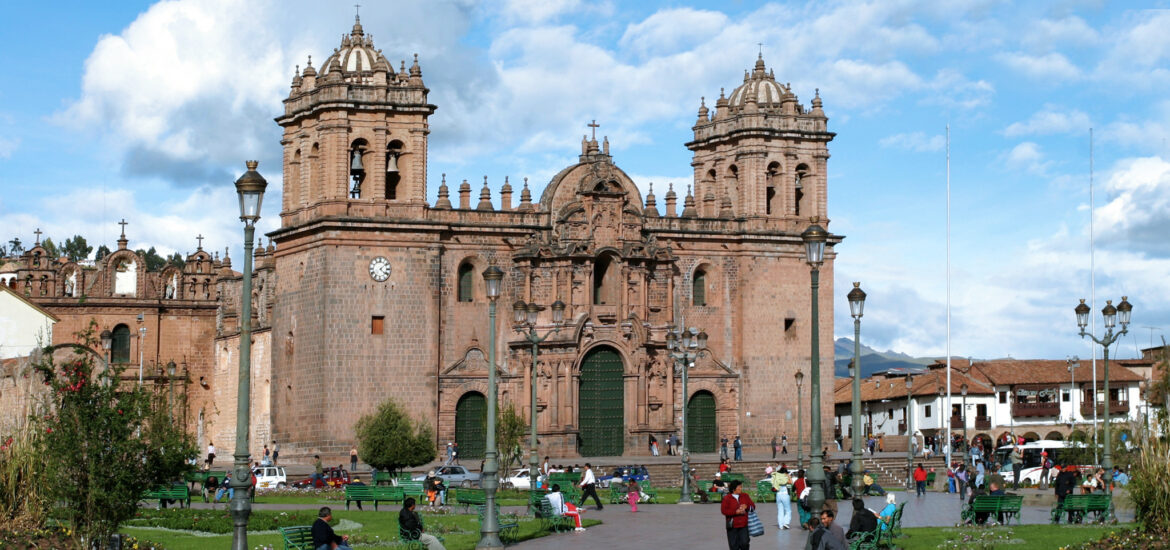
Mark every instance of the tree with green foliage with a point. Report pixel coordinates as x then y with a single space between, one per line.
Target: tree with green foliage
154 262
102 252
105 442
15 247
389 439
176 260
76 249
51 250
510 431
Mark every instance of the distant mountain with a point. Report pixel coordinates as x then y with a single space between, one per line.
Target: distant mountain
872 360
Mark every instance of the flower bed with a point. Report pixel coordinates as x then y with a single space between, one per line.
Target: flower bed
219 521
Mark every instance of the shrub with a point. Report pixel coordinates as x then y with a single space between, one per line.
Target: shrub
23 500
1149 486
389 439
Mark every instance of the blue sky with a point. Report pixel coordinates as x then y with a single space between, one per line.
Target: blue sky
147 111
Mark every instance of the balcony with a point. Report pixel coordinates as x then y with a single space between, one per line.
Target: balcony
957 422
982 422
1035 409
1115 408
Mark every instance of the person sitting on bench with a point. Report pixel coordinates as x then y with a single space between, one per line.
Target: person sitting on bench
562 508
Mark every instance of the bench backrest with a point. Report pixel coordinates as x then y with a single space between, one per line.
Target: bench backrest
358 491
388 493
471 495
298 537
728 476
416 486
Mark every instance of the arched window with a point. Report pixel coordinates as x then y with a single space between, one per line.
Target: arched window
120 348
605 281
357 166
294 168
773 176
466 282
801 172
393 175
699 288
315 170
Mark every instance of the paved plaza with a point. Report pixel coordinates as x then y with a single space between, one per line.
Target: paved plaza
701 525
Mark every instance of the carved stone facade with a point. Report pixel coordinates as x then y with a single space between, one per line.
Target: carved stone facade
355 141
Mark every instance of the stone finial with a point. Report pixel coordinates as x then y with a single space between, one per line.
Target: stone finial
227 260
689 205
309 70
671 200
465 195
605 145
357 26
703 109
444 201
415 70
506 196
651 210
526 199
485 197
816 104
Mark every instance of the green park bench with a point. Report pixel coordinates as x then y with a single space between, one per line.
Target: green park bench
764 491
995 505
412 489
297 538
383 478
872 540
617 494
930 480
896 521
470 497
1076 507
728 476
369 493
508 524
409 539
551 521
650 490
705 488
177 492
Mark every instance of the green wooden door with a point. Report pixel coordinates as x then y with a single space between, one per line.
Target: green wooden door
600 402
701 432
470 431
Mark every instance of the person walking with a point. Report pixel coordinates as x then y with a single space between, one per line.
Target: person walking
589 486
735 507
1045 467
781 488
353 459
455 453
920 480
962 480
783 443
738 449
210 454
1017 459
653 445
450 456
318 471
775 447
275 452
723 448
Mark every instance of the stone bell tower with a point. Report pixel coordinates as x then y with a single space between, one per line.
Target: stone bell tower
355 135
761 155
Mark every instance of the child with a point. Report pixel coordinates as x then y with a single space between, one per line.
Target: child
633 494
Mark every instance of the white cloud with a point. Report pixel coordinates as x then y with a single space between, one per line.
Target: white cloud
1071 29
1138 52
539 11
7 146
670 30
1149 133
1050 120
1028 157
1047 67
1139 210
952 89
918 142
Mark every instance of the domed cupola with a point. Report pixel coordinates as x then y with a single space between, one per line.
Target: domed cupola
356 58
762 86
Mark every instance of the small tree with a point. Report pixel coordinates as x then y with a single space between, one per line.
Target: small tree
389 439
51 249
104 443
102 252
76 248
510 431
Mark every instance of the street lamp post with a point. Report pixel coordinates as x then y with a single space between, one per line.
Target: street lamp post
909 431
1073 363
525 316
856 306
814 247
171 386
963 419
1112 315
107 344
490 529
250 188
799 421
684 347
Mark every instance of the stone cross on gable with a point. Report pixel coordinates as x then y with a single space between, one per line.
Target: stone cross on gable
38 232
595 126
200 239
123 224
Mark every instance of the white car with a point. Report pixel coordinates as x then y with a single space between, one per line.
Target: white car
518 480
270 477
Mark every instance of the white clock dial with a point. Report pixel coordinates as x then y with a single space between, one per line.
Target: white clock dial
380 269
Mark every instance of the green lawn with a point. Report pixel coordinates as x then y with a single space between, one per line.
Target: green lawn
368 528
1024 536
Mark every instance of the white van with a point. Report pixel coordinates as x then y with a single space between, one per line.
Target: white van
1058 452
270 477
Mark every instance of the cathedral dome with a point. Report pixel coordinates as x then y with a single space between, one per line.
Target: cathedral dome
356 54
761 86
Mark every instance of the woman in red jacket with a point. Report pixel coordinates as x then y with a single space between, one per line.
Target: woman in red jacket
735 507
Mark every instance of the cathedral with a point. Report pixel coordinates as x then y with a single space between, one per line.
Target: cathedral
367 291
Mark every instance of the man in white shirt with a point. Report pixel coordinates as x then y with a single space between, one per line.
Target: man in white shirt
562 508
589 486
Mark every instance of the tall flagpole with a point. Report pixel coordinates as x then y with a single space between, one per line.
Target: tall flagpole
949 440
1093 295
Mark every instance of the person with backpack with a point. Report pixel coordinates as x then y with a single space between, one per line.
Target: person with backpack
1045 466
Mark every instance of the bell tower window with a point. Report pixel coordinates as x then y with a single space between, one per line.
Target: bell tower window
357 166
699 288
466 282
605 281
770 195
393 176
798 193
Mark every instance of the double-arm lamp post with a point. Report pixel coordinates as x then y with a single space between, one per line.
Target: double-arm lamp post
1112 316
856 306
489 530
684 347
525 316
814 247
250 188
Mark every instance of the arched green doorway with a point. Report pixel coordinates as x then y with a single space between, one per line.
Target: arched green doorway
470 432
601 408
701 432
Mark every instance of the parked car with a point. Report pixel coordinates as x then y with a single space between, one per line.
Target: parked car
270 477
518 480
333 477
453 476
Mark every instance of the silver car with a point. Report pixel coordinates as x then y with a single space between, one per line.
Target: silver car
454 476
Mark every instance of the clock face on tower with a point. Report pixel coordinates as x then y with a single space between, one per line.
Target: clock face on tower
380 269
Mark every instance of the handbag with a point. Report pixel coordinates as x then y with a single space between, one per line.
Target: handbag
755 526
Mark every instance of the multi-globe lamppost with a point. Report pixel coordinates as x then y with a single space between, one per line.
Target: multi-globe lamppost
489 530
1112 316
814 247
525 316
856 306
250 188
684 347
